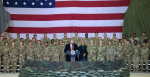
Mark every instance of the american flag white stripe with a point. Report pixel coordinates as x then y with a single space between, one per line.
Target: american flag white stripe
67 10
65 23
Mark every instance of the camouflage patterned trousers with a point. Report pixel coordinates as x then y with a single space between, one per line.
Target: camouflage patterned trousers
91 57
110 57
48 58
135 61
119 58
38 58
14 63
100 58
6 63
0 64
142 61
55 59
21 62
30 58
63 58
128 61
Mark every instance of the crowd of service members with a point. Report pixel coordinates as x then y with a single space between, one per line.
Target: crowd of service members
135 50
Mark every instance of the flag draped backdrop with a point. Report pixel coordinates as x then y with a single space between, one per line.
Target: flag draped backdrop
66 16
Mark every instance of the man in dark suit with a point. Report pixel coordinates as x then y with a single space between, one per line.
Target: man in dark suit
83 52
70 47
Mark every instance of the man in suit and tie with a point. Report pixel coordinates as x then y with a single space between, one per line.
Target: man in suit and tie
70 47
83 52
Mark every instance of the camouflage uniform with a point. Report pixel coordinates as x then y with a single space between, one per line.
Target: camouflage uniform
47 52
17 41
38 50
119 51
21 58
42 44
47 40
144 52
113 40
86 41
142 39
136 38
6 58
76 39
26 41
62 58
136 56
105 41
14 60
57 41
8 40
34 44
110 52
92 49
55 52
115 44
96 40
78 44
0 57
128 51
2 43
66 40
101 51
30 51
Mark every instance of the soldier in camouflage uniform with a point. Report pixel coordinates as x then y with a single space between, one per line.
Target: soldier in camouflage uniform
55 52
92 50
136 56
2 41
86 39
10 43
65 39
76 38
81 39
142 38
135 38
144 52
9 38
119 52
26 41
6 58
124 37
0 56
101 51
21 55
38 50
42 42
13 57
30 51
62 53
95 39
52 41
46 39
108 39
17 40
110 51
128 54
105 39
115 44
35 37
124 42
47 52
56 39
34 44
114 37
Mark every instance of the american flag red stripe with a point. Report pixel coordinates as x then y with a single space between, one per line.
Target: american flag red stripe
68 16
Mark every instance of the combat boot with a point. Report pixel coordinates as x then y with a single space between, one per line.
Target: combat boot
7 71
146 70
141 71
4 71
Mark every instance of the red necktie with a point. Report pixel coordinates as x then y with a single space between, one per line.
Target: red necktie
71 47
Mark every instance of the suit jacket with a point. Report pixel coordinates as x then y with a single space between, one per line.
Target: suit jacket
69 48
80 48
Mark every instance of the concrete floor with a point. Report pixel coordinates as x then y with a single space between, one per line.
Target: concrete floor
132 75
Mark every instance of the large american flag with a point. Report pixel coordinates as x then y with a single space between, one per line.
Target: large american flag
66 16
